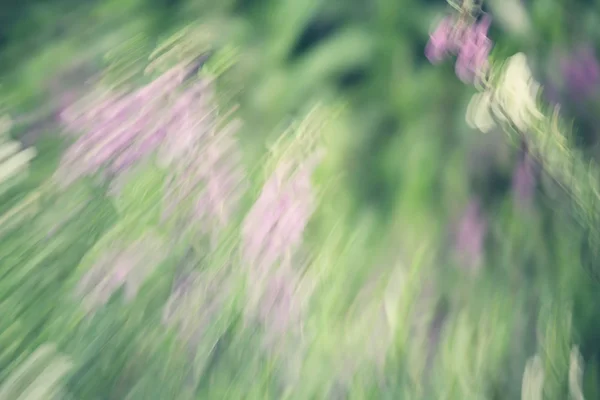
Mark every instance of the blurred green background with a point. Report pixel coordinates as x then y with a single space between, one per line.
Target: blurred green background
402 176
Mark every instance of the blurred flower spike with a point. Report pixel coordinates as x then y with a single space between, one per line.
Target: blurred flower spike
470 236
275 224
468 41
210 176
274 227
118 130
581 72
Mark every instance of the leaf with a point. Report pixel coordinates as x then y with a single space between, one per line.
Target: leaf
37 377
140 202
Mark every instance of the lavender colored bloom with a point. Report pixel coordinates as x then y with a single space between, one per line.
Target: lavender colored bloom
271 233
120 129
193 118
469 42
581 72
274 226
470 236
210 178
474 51
441 41
162 117
146 145
524 182
223 181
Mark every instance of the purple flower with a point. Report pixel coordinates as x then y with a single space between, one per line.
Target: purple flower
120 129
182 127
223 180
581 72
209 176
271 233
192 118
469 42
474 51
274 227
470 236
524 182
441 41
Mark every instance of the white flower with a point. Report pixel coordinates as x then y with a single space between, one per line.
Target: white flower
479 114
516 94
513 100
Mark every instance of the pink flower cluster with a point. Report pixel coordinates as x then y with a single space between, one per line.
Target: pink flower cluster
174 119
468 41
117 129
274 226
211 179
271 235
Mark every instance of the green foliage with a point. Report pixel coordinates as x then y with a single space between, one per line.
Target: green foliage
37 377
393 313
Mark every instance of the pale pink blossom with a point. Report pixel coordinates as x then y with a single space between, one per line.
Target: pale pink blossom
468 42
274 227
211 179
474 51
441 41
470 236
118 129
